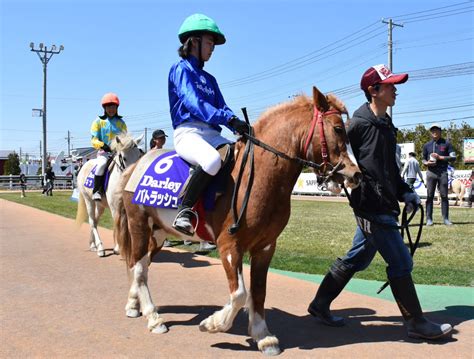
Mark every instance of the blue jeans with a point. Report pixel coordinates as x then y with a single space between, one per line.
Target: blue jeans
388 242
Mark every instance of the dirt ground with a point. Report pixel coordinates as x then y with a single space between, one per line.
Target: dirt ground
60 300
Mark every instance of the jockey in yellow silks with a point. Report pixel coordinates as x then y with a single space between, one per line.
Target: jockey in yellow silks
103 130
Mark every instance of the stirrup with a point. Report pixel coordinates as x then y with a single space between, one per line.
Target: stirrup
182 214
97 196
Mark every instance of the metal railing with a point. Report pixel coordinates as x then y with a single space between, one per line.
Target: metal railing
12 182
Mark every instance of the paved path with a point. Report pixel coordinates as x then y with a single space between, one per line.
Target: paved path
59 300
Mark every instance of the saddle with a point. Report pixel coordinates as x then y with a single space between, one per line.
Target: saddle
161 176
226 151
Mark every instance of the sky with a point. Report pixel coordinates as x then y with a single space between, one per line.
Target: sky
275 49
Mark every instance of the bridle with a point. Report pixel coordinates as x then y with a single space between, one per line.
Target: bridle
121 165
324 171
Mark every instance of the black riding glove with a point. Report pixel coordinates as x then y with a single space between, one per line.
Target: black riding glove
106 148
239 126
412 201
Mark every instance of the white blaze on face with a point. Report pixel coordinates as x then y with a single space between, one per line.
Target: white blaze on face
350 153
334 187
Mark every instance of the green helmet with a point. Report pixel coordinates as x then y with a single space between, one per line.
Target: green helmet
199 23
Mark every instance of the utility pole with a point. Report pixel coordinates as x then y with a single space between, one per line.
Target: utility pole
391 24
68 138
45 55
146 140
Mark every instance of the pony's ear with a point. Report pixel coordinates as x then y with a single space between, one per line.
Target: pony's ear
320 100
117 139
139 139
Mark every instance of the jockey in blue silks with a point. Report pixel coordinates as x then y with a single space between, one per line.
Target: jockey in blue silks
198 111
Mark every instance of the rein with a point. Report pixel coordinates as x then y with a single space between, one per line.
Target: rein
404 226
121 163
249 153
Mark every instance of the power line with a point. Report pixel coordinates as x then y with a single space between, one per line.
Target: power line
450 120
437 17
436 109
434 9
266 74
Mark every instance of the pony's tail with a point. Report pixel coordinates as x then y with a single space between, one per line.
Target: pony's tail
121 233
81 214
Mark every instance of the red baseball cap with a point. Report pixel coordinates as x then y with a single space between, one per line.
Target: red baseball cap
380 74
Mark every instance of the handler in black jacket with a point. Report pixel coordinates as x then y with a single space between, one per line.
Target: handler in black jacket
375 202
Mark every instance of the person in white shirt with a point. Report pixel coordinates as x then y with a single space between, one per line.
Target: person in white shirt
411 170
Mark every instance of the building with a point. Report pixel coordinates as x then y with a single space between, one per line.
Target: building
3 158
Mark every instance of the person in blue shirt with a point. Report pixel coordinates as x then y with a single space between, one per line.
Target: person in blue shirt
198 111
437 153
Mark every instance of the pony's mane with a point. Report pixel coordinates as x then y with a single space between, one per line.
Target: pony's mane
126 142
335 103
301 103
298 103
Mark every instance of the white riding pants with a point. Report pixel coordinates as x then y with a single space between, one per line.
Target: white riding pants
196 143
102 158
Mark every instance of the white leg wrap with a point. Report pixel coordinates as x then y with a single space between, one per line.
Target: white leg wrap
222 320
258 330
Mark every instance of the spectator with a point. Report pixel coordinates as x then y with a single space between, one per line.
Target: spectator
436 155
411 170
50 177
158 140
23 185
375 202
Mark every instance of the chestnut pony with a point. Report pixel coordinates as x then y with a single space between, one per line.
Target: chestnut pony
140 231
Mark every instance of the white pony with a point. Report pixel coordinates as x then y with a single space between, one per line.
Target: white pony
456 188
126 153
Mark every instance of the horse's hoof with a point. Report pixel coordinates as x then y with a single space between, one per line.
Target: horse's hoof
160 329
116 252
271 351
204 326
133 313
269 345
101 253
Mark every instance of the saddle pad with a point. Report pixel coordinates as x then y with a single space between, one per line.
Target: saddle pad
141 167
89 181
157 180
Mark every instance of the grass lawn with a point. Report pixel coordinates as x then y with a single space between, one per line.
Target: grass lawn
318 232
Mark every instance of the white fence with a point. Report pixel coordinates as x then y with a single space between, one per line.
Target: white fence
12 182
307 184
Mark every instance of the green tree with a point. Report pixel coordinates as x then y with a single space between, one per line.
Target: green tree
455 134
12 165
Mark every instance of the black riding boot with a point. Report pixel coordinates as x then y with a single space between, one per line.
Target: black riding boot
98 190
332 284
197 183
418 326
